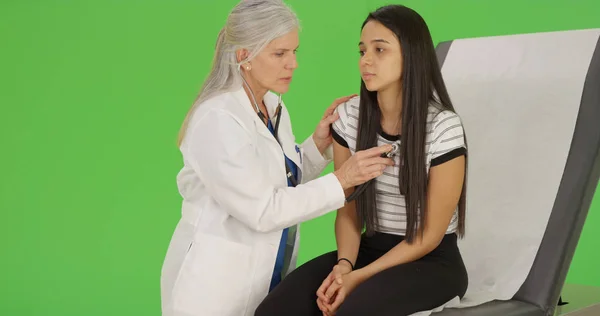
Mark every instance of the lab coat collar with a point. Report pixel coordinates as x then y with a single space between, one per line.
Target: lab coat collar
269 100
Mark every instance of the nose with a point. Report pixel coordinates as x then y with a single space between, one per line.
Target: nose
365 60
292 64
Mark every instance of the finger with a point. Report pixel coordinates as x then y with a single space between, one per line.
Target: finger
377 151
321 294
338 301
343 99
325 284
321 291
331 109
365 169
326 122
321 306
332 118
333 288
348 97
367 174
337 102
372 175
378 161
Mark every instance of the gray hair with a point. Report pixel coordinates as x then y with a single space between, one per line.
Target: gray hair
252 24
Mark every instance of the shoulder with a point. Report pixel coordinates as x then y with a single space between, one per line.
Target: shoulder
345 128
218 114
225 101
446 138
350 108
349 113
442 120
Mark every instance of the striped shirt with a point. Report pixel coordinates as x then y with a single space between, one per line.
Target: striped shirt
444 141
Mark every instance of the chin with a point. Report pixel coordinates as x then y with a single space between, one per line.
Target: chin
371 87
281 89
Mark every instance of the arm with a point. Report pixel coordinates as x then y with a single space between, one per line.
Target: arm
347 224
314 160
222 153
444 189
317 148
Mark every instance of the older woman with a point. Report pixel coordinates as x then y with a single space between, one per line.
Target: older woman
245 183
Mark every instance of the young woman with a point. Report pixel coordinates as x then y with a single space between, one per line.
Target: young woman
407 260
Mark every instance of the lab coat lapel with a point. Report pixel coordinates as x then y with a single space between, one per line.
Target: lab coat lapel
248 107
286 139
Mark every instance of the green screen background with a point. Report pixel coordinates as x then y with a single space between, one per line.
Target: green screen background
92 96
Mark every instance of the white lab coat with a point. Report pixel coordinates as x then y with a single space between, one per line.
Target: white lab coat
236 203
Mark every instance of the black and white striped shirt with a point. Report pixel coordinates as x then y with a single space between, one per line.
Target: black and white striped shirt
444 141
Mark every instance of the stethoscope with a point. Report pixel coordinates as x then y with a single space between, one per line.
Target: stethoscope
361 188
261 115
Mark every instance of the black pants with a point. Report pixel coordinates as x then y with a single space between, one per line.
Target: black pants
401 290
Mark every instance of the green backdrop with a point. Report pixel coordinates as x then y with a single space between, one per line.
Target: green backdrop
92 96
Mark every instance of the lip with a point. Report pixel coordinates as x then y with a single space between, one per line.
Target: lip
286 79
367 75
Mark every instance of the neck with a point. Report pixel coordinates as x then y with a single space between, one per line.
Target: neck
258 93
390 104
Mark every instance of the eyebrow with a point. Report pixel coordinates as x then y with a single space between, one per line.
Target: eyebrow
377 40
286 49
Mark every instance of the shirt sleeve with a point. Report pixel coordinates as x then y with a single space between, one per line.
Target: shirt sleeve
448 139
339 128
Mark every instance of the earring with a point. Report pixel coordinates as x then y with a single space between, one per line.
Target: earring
248 67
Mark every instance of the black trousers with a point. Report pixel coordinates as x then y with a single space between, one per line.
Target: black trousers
401 290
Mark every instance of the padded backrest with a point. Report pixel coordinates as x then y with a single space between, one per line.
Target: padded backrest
530 105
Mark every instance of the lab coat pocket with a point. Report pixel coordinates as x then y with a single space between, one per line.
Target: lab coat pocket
215 278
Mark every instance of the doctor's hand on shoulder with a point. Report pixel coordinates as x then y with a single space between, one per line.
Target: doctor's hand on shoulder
322 135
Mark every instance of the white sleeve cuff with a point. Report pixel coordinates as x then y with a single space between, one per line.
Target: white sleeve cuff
314 155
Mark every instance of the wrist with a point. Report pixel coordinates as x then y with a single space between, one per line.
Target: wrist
321 143
346 263
360 275
341 179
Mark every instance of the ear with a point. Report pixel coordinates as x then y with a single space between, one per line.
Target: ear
241 54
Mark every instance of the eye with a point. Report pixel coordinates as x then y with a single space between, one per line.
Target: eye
379 50
361 52
279 54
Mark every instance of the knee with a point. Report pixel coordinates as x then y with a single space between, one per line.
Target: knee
270 307
264 309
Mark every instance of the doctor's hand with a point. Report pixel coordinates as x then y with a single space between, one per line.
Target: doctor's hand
363 166
322 135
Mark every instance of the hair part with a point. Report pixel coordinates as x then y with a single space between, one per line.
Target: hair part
422 85
251 25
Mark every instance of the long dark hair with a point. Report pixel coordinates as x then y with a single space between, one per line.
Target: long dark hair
421 81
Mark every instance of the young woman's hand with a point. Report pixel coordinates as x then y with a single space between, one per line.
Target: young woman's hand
338 291
322 134
337 272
